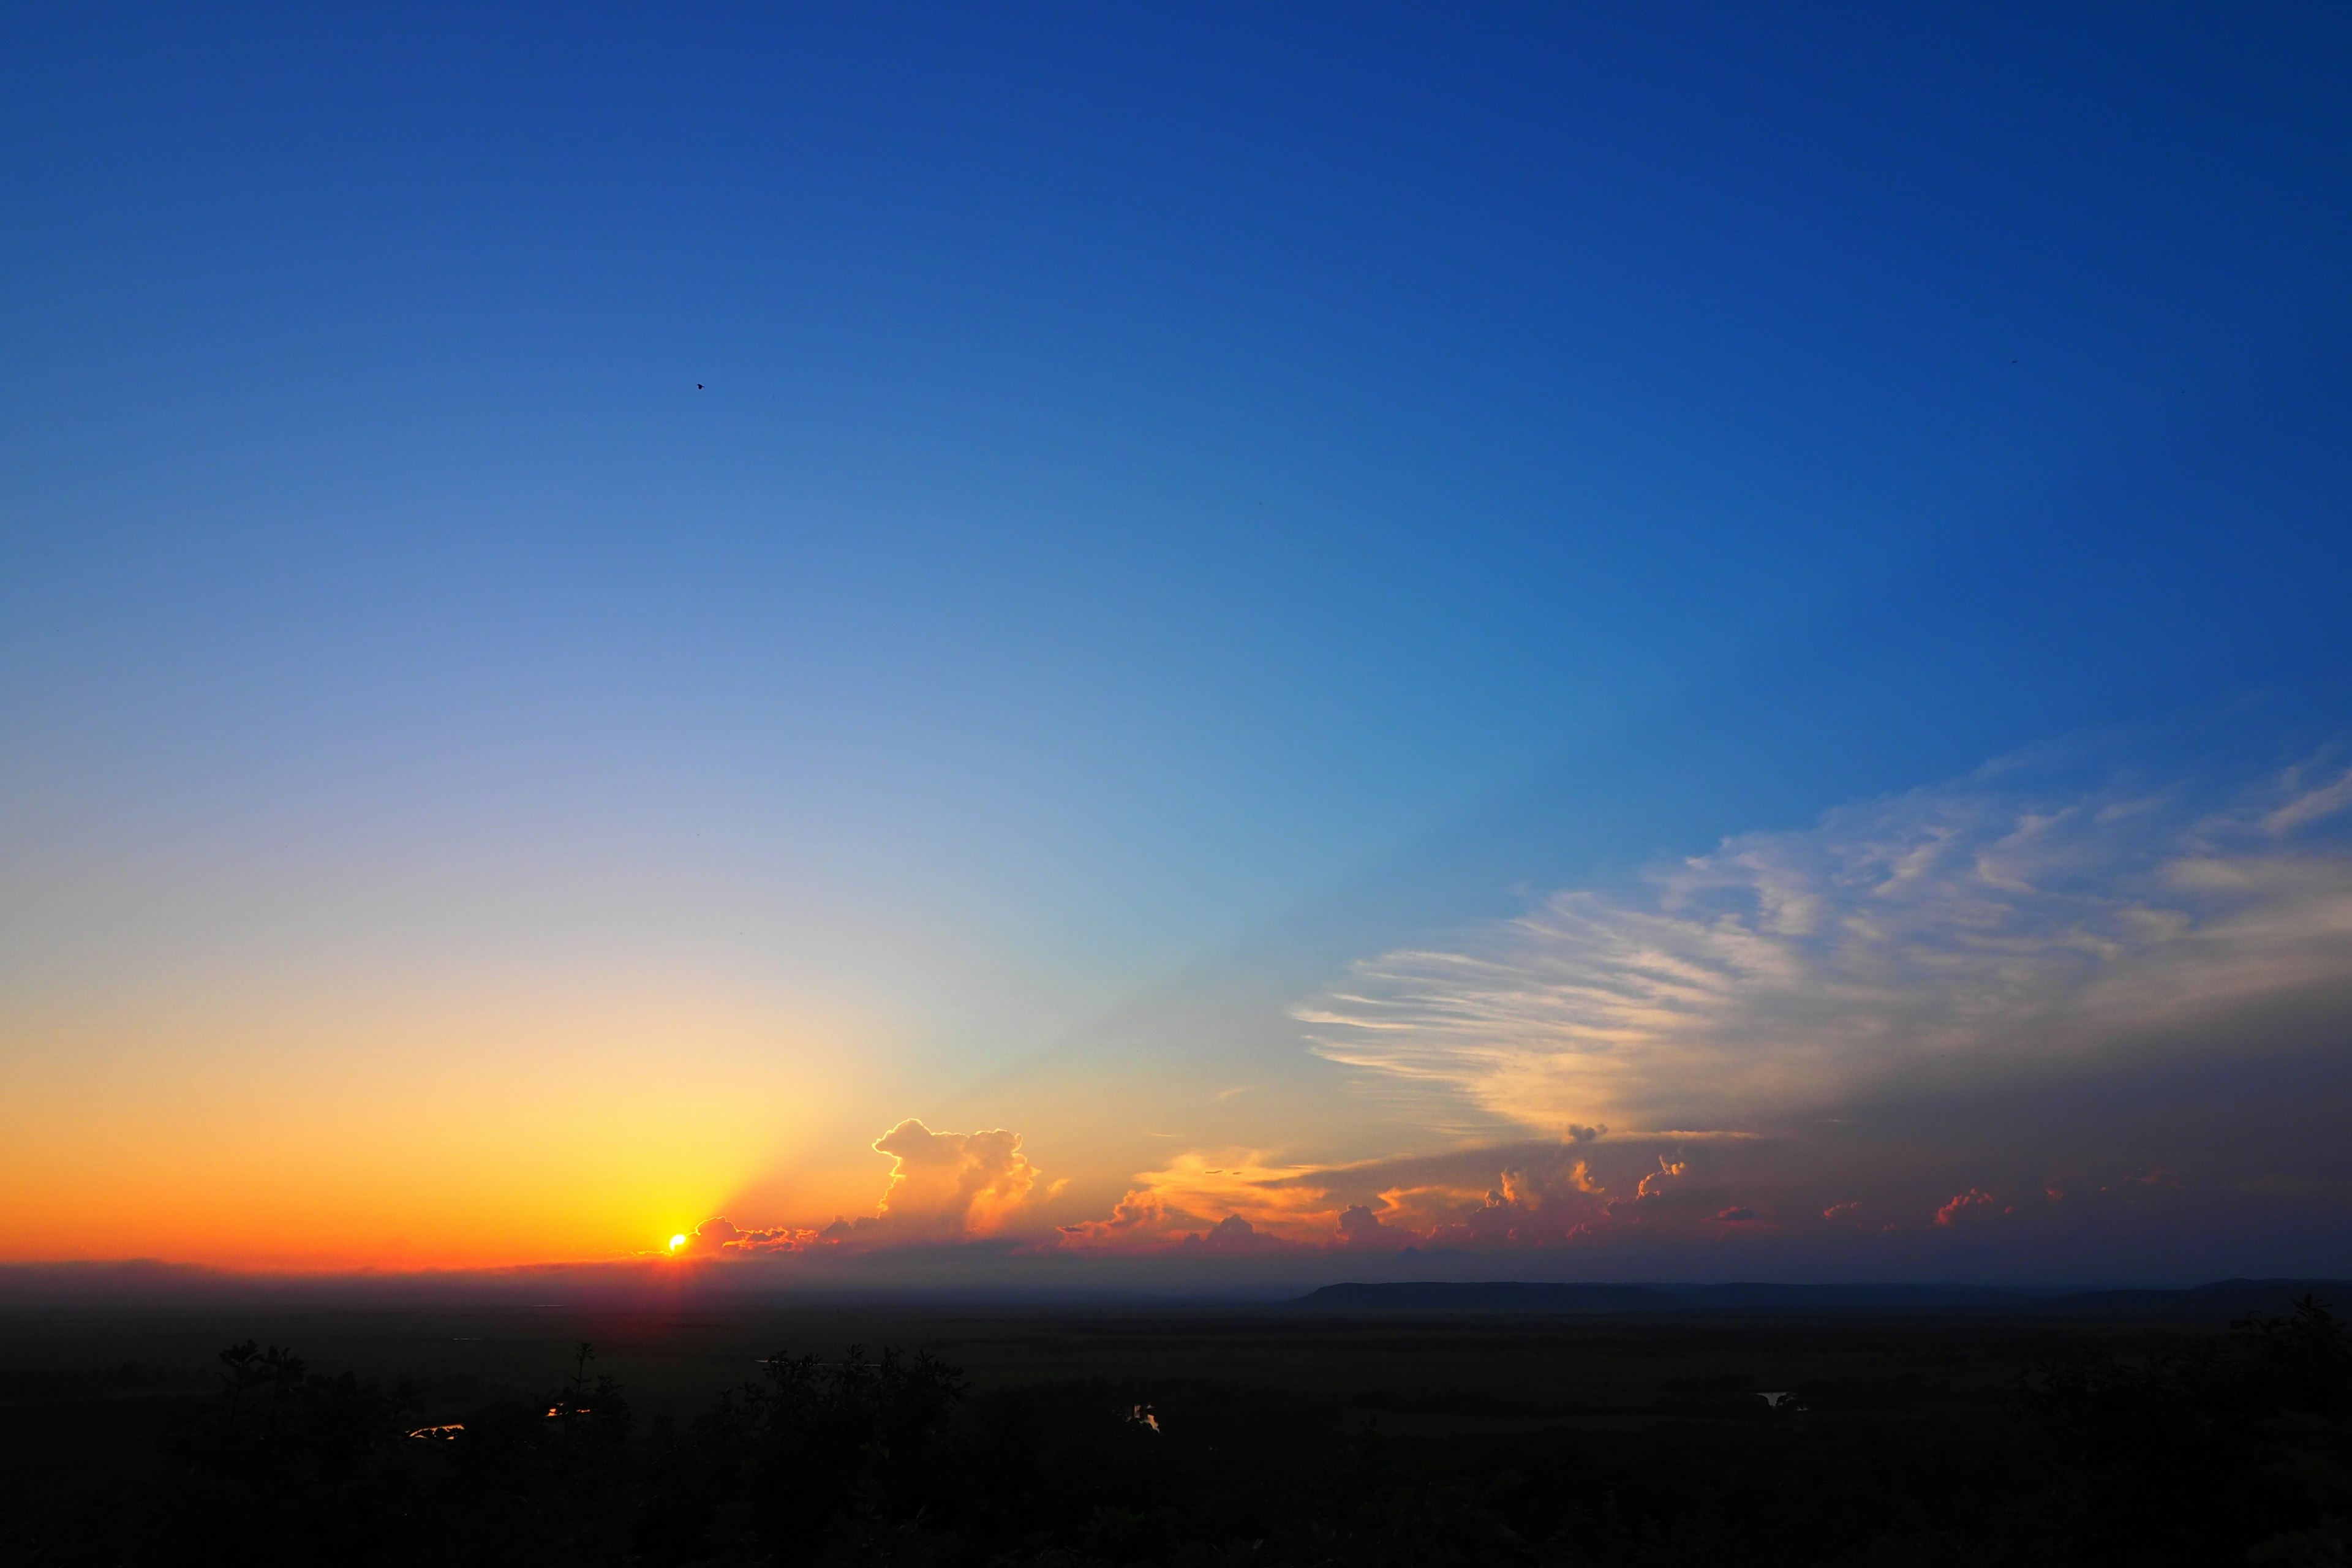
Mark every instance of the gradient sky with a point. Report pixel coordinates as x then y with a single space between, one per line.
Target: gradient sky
1680 643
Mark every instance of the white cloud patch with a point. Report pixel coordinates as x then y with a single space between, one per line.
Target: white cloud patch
1786 973
951 1184
943 1187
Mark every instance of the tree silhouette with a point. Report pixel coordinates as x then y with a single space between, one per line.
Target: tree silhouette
2193 1451
2200 1452
288 1461
848 1448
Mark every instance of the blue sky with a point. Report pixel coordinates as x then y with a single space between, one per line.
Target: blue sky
1001 554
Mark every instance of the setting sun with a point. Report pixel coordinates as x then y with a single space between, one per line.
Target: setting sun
676 1242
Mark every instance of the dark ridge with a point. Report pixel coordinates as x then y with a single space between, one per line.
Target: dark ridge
2223 1299
1430 1295
1760 1298
1526 1296
32 1384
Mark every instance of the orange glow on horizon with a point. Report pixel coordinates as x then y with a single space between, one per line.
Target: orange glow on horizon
440 1131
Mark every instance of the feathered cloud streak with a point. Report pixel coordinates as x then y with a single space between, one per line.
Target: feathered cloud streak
1787 974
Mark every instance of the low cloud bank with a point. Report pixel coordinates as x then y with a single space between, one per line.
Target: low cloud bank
1530 1195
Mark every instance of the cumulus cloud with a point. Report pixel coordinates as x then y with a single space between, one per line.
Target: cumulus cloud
1527 1194
1960 1204
1552 1177
952 1185
722 1237
1652 1182
1785 974
1202 1189
1141 1213
1234 1236
943 1186
949 1185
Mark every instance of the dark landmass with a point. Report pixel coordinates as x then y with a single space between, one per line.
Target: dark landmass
2222 1298
1502 1295
1516 1296
2125 1427
2226 1299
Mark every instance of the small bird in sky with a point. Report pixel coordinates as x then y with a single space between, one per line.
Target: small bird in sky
697 386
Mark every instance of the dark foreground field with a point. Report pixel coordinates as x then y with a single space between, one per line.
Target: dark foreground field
901 1434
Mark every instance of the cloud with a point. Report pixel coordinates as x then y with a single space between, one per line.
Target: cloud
1652 1182
1789 974
1202 1189
942 1187
1960 1204
723 1238
1234 1236
1140 1212
2308 806
951 1184
2000 984
1527 1194
1552 1177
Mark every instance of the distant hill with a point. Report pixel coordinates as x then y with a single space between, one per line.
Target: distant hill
1499 1294
2225 1298
1758 1298
2222 1298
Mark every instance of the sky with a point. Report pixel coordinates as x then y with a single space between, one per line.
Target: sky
1099 646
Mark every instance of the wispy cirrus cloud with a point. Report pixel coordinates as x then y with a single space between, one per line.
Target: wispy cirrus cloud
1786 973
